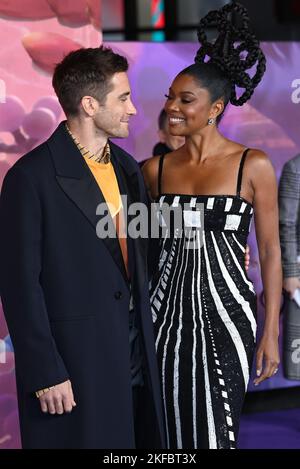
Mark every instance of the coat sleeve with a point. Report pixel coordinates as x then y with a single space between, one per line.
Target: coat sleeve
38 362
289 206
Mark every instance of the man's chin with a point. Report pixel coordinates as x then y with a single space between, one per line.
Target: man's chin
122 134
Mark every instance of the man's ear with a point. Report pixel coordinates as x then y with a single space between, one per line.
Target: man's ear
90 105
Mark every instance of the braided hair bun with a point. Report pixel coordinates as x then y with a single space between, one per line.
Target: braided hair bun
234 60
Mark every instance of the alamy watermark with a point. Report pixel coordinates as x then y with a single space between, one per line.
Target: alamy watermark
295 96
296 353
157 220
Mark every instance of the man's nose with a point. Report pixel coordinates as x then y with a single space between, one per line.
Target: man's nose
132 110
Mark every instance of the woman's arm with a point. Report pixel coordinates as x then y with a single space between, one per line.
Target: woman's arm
264 185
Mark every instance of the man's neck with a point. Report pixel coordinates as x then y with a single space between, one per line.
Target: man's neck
87 135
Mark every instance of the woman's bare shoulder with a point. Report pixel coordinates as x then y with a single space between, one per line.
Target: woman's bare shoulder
257 159
259 168
150 173
150 169
151 164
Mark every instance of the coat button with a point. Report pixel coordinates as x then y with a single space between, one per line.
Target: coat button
118 295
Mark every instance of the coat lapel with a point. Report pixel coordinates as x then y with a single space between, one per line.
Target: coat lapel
129 185
78 183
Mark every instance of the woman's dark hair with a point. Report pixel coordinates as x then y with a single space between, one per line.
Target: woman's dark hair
222 66
86 72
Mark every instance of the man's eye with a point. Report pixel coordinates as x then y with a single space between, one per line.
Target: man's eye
168 96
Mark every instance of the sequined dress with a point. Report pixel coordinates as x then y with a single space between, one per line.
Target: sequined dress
204 310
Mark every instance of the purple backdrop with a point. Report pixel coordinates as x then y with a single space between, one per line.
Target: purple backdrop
269 121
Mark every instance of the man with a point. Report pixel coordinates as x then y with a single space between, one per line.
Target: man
77 304
289 218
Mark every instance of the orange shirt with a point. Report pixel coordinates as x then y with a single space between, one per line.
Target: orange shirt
106 179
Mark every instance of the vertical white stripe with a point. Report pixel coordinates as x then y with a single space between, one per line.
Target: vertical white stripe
210 417
176 352
176 201
238 243
194 361
193 202
234 290
161 220
166 343
163 245
234 334
229 421
160 294
210 203
170 283
243 206
163 272
161 200
238 266
165 350
228 205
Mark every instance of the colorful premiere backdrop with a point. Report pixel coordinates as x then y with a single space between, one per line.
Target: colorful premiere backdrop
36 34
29 112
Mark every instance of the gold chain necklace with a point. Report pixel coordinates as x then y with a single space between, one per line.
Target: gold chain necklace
105 153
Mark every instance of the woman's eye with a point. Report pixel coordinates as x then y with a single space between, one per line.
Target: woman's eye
184 101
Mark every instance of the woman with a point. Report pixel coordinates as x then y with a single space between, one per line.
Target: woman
203 304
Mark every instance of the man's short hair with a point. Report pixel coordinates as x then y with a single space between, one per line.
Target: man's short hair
86 72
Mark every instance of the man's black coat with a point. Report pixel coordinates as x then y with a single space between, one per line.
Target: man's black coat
66 296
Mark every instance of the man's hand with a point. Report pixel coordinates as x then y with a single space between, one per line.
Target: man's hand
247 257
59 399
290 284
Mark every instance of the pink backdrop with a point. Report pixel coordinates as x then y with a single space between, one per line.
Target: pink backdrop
34 35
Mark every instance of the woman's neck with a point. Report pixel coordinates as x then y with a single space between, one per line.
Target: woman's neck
201 147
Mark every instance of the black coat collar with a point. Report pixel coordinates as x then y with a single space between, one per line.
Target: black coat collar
68 160
77 181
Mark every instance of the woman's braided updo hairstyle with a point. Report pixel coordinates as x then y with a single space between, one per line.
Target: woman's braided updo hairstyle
222 65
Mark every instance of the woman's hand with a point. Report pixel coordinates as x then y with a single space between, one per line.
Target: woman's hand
267 357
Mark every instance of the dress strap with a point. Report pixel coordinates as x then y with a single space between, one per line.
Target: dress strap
160 168
240 174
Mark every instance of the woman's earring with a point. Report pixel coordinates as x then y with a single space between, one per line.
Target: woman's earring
211 121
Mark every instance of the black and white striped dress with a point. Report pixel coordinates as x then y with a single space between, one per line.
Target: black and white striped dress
204 310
